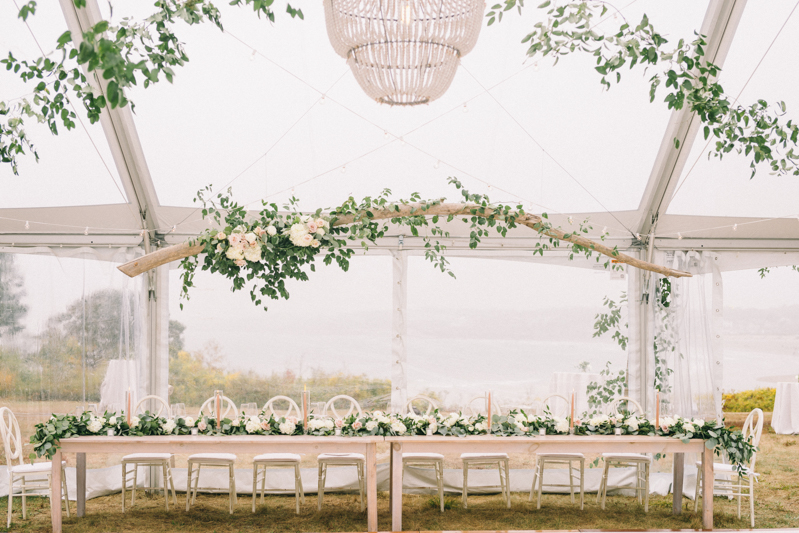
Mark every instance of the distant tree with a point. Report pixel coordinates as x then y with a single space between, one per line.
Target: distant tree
176 341
109 322
12 290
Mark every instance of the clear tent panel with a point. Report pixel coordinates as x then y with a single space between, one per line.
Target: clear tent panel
273 135
71 335
494 328
76 167
332 336
755 68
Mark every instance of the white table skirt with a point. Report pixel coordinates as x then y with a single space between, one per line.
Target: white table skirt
785 419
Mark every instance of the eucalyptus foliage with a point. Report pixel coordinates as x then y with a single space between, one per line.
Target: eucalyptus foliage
757 130
346 227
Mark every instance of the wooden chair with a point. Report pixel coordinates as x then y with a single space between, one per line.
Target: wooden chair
341 459
282 460
641 462
555 458
736 483
18 474
425 460
162 460
218 460
486 459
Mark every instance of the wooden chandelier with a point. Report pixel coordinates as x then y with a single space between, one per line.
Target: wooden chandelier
404 52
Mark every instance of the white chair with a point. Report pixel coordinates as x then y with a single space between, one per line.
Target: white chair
341 459
162 460
736 483
486 459
425 460
641 462
554 458
283 460
218 460
18 484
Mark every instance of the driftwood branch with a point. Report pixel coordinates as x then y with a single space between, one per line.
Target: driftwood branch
535 222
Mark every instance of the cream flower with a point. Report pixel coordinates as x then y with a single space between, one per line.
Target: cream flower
134 421
189 421
95 425
240 262
561 425
357 425
221 236
236 253
252 424
271 231
321 223
112 421
202 426
632 424
251 237
370 425
287 428
253 253
598 420
398 427
168 426
315 243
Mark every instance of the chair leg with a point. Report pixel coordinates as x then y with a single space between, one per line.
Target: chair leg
190 473
541 464
297 483
196 484
166 486
601 483
172 483
507 481
440 480
582 484
302 487
605 473
361 477
646 488
465 491
232 487
751 501
263 486
697 494
571 480
24 497
65 490
321 489
124 484
133 492
535 477
11 499
254 485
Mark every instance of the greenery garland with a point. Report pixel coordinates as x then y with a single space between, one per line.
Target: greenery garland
147 51
47 436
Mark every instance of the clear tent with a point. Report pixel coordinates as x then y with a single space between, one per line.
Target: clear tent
272 111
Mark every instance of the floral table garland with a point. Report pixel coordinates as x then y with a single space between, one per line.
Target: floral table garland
516 423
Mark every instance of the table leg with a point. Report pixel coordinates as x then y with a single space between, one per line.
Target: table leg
396 487
708 478
676 485
55 492
80 477
371 486
390 481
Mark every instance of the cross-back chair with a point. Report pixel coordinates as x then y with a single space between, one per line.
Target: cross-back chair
341 459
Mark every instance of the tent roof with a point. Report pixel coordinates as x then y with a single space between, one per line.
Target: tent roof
272 111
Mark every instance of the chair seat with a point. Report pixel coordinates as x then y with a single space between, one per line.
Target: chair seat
34 468
728 469
277 458
146 457
565 456
422 457
627 457
486 455
225 458
346 458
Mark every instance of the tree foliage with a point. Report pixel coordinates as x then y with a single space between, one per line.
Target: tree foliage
12 291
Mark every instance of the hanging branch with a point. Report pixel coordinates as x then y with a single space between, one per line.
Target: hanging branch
277 245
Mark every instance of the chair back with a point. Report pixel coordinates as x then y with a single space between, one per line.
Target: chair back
483 408
563 407
425 401
753 427
160 403
351 405
269 407
11 437
226 406
630 406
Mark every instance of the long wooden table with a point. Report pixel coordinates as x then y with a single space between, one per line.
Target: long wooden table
557 443
205 444
399 445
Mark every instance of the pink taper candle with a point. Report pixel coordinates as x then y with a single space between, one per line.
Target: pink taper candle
571 415
657 410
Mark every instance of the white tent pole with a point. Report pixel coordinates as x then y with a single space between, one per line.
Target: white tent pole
399 330
717 344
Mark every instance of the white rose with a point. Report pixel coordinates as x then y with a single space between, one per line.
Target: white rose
134 421
398 427
688 428
189 421
304 218
287 428
271 231
235 423
480 426
168 426
598 420
321 222
632 424
433 427
666 422
699 422
383 419
315 243
253 254
251 237
252 425
95 425
328 424
112 421
320 231
235 253
377 414
561 425
371 425
221 236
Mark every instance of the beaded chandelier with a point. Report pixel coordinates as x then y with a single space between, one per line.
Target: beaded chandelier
404 52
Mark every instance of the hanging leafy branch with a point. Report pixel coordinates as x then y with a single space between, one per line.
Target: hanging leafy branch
123 55
758 130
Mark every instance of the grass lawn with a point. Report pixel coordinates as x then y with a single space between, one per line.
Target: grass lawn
777 505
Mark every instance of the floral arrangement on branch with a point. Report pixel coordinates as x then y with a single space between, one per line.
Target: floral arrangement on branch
515 424
277 245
